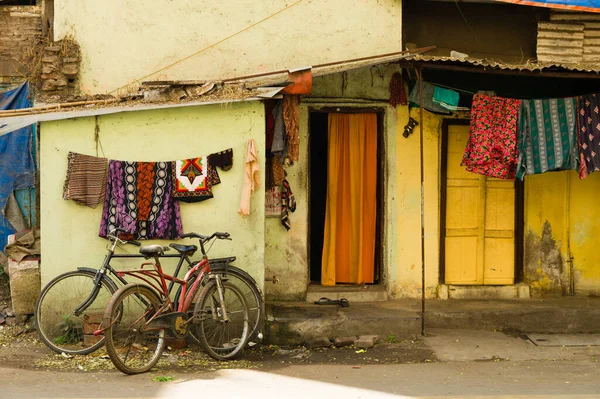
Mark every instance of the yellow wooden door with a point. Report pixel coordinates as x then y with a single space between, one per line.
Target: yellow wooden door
479 236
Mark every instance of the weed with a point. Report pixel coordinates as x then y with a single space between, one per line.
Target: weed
71 333
391 338
163 379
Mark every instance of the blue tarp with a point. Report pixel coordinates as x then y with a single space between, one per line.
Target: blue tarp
17 166
582 5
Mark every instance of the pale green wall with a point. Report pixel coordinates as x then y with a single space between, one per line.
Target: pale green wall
147 36
286 253
70 231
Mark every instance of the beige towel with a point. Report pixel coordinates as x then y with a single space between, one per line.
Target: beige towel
251 177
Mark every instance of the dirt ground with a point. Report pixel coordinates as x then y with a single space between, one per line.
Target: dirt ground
20 348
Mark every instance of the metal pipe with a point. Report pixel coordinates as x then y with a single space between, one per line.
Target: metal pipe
568 225
421 157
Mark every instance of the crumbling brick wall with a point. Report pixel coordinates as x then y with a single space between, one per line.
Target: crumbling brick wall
60 68
21 29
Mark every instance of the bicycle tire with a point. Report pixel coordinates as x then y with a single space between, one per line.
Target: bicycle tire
125 316
232 334
65 332
249 288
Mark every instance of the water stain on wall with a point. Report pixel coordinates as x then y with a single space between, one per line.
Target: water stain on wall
544 264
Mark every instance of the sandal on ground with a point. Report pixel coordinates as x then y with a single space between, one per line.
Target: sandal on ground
343 302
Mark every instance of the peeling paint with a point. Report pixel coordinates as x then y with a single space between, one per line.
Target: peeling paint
544 263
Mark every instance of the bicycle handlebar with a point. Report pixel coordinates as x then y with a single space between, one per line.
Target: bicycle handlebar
217 234
114 233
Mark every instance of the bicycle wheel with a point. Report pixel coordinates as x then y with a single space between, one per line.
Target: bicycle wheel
131 346
222 328
250 291
61 330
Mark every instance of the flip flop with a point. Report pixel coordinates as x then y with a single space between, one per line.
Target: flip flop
343 302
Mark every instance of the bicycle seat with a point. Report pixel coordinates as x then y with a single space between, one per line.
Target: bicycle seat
151 251
184 249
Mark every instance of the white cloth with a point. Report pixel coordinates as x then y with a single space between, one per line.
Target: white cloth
251 177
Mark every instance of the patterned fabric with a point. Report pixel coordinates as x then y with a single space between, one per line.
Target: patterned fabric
291 117
397 91
139 199
492 146
588 124
278 171
547 136
288 204
273 202
86 179
194 178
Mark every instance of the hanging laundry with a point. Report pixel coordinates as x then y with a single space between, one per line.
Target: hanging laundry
397 90
428 103
588 124
194 178
492 146
251 177
547 136
270 124
139 199
278 171
85 183
291 117
273 202
17 165
279 144
288 204
446 98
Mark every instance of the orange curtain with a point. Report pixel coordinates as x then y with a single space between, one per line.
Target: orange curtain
350 216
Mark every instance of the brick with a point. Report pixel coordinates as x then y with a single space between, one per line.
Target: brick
366 341
69 60
51 59
344 341
25 285
52 49
177 343
91 339
70 69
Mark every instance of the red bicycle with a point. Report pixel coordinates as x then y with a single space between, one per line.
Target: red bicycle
138 316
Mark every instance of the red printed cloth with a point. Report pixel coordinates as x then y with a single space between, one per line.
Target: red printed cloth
492 147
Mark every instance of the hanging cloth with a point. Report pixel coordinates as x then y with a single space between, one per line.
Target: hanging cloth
139 199
588 124
17 166
85 183
351 207
291 117
278 146
547 136
288 204
397 91
446 98
492 146
251 177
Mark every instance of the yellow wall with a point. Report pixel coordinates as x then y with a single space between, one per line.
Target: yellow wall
559 221
70 231
147 36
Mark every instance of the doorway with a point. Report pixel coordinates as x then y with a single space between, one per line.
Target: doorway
319 179
481 220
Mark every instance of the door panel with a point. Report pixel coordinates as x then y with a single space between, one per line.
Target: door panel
480 213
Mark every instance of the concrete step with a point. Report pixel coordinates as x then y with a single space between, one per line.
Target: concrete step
299 322
484 291
360 293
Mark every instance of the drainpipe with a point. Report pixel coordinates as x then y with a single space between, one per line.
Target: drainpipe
420 73
568 224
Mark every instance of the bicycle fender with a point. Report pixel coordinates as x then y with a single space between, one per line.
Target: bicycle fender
106 278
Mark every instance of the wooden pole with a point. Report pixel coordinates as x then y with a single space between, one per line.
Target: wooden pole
421 140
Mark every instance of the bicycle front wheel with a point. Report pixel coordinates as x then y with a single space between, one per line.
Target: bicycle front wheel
58 327
131 344
222 327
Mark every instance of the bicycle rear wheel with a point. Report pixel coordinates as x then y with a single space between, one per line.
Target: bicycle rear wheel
223 330
131 346
61 330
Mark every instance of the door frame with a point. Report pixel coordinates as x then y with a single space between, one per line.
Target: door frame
519 208
381 179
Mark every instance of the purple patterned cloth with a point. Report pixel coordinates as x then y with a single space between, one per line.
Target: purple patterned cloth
139 199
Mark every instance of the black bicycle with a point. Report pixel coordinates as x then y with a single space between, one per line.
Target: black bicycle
70 308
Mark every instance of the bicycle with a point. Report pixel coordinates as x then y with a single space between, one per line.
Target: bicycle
71 306
138 316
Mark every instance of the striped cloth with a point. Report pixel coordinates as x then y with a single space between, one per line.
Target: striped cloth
86 179
547 139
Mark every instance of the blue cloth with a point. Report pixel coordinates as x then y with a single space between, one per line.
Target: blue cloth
581 5
17 167
446 98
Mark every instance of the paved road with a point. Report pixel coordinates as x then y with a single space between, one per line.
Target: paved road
471 365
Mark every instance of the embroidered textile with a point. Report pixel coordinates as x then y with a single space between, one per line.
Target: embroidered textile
86 179
278 171
194 178
139 199
288 204
588 124
273 202
291 117
251 177
492 146
547 136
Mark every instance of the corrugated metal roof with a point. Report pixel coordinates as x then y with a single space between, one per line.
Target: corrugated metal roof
532 66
